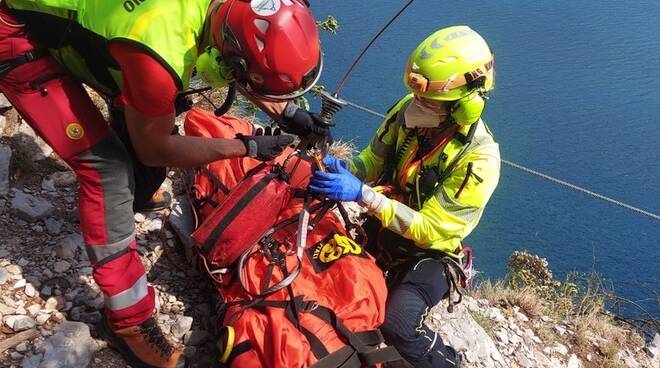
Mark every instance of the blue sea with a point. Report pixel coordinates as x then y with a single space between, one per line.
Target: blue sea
577 98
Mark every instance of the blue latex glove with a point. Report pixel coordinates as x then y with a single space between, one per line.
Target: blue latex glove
338 183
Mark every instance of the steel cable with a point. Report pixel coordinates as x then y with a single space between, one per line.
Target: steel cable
539 174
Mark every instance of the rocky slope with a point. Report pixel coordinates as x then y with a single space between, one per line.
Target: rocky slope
49 302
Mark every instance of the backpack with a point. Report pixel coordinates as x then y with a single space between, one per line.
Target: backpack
297 289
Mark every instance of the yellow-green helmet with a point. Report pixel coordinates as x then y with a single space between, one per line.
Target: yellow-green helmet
450 64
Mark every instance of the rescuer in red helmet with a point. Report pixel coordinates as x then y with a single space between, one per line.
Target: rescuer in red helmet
140 54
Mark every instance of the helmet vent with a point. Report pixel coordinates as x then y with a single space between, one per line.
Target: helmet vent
260 44
261 24
449 59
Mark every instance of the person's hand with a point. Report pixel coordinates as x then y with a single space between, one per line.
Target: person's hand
265 147
301 122
266 130
338 183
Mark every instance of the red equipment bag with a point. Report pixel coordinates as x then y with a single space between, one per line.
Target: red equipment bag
246 214
291 298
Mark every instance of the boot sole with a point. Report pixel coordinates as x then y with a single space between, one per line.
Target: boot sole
104 331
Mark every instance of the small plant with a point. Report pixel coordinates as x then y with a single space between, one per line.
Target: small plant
330 24
486 323
546 334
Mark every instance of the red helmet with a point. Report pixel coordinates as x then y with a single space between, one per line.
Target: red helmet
272 46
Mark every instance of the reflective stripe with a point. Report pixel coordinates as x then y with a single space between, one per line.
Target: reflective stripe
403 218
97 253
465 213
129 296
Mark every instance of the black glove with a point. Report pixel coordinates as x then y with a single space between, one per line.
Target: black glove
302 122
265 147
267 130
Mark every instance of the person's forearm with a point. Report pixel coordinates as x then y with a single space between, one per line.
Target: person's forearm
186 151
155 146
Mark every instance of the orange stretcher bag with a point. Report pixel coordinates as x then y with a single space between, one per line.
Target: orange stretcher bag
301 292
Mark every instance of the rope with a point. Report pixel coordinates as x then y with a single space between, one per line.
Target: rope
541 175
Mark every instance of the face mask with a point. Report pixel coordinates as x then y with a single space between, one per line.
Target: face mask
419 116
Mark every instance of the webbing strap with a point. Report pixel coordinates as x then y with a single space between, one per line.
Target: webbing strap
315 344
361 348
233 213
345 357
242 347
9 65
371 337
382 355
214 179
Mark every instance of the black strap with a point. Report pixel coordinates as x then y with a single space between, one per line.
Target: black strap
383 355
371 337
214 179
240 348
9 65
233 213
345 357
361 348
315 344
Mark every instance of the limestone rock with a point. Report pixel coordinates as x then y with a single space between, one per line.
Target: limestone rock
20 284
181 326
29 207
42 318
29 290
61 266
62 178
70 346
21 348
560 349
4 275
37 146
459 330
653 348
139 217
20 323
48 185
573 362
68 246
33 309
53 226
5 159
14 269
6 310
4 102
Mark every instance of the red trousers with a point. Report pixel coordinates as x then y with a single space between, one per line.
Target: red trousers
57 107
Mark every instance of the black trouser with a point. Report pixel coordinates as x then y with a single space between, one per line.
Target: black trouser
147 178
421 287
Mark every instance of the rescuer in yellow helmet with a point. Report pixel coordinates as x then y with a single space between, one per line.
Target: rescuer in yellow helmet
434 165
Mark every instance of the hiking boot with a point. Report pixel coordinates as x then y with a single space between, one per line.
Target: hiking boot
159 201
143 345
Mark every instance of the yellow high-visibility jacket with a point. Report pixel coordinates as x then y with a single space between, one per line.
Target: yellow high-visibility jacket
453 208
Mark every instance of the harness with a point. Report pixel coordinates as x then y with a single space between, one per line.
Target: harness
396 254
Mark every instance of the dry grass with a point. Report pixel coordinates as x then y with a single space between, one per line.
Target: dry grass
342 150
578 302
499 293
486 323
